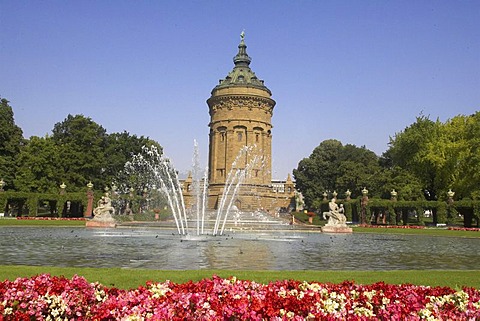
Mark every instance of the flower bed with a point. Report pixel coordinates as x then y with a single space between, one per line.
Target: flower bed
51 218
472 229
393 226
46 297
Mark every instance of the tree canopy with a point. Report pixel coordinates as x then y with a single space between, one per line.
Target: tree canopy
82 144
79 151
442 155
38 166
335 167
424 161
11 141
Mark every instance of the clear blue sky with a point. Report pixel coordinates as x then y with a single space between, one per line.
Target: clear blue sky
356 71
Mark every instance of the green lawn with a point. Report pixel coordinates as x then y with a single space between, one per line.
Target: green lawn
15 222
128 278
413 231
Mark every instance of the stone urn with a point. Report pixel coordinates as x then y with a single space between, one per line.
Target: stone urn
157 213
310 217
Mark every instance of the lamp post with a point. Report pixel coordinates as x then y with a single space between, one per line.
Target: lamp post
364 191
393 198
145 198
364 203
348 194
450 195
393 195
62 188
89 210
325 195
129 205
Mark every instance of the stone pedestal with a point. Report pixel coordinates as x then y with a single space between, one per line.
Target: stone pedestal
99 223
336 229
89 210
104 220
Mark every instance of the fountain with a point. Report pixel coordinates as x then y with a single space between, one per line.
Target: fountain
157 173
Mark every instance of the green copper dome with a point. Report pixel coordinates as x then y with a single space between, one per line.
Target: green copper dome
241 75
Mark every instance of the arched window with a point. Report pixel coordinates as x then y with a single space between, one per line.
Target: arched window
223 133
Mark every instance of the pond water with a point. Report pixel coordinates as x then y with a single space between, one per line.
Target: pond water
154 248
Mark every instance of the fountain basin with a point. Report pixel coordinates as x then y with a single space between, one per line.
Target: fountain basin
163 248
336 229
99 223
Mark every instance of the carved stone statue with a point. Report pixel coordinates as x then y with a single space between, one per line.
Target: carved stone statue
103 214
104 208
335 214
337 221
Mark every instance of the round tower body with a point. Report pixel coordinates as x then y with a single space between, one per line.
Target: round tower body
240 134
241 110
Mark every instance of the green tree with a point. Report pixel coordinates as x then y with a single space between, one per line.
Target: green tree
11 141
334 167
469 182
440 155
82 144
38 166
357 167
316 174
120 149
408 150
407 185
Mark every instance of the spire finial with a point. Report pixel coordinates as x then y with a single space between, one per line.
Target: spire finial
242 58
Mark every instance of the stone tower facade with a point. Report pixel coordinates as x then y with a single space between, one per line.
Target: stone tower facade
241 110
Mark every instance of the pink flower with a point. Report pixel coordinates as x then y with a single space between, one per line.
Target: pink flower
43 297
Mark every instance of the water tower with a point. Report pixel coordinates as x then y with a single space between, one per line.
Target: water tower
241 111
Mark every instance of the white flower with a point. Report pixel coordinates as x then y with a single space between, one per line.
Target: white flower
477 305
100 295
158 290
370 294
133 318
362 311
282 293
331 305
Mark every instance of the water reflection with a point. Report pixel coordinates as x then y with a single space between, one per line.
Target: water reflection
152 248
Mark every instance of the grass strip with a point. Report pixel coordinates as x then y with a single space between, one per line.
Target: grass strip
413 231
132 278
40 223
